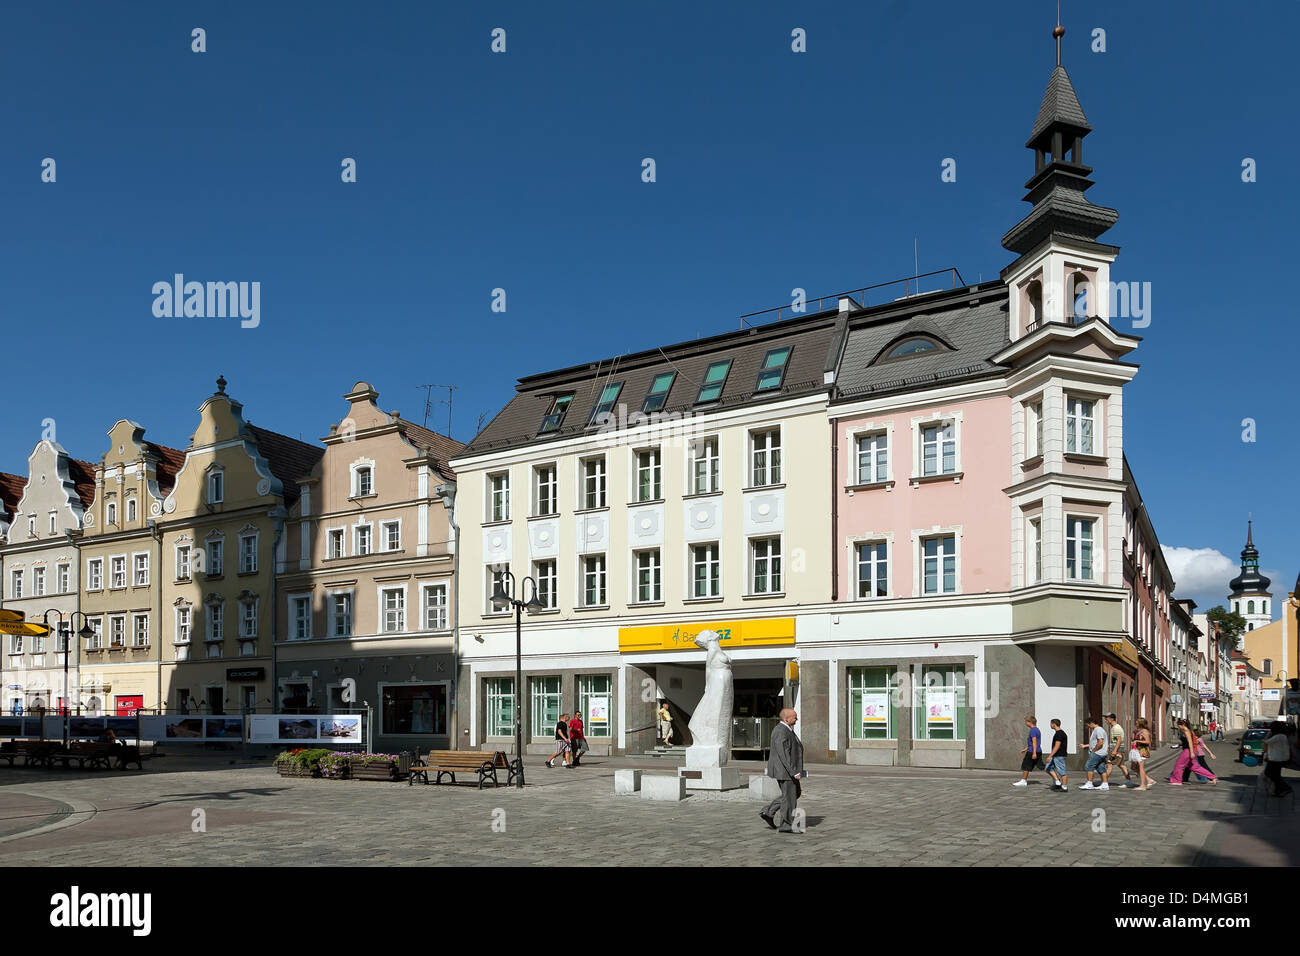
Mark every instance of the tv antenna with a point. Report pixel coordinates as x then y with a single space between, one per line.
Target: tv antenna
428 403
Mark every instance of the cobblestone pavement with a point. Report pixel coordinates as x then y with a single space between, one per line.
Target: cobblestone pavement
894 817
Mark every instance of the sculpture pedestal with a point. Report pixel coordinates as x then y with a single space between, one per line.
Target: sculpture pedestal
710 778
701 757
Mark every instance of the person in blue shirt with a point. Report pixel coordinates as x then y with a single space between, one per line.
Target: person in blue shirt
1033 751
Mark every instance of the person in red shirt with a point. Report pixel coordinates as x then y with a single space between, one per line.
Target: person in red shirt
577 742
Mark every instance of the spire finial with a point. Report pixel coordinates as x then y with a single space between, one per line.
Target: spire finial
221 385
1249 533
1058 32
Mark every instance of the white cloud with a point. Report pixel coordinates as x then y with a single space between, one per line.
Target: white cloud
1201 574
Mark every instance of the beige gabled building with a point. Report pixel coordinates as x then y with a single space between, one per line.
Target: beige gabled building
365 579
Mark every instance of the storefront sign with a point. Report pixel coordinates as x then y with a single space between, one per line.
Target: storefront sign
767 632
598 712
1125 651
1274 695
939 706
1207 690
875 709
304 729
245 673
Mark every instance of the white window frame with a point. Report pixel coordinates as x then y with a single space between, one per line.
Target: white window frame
919 537
136 631
54 522
1075 434
656 568
355 473
714 583
872 540
546 490
656 470
1033 411
16 584
216 486
494 575
1094 523
96 640
919 427
95 574
865 435
185 565
498 496
299 623
774 467
219 542
602 576
370 539
244 567
132 509
38 581
705 451
778 559
110 512
332 599
245 605
342 540
136 580
599 481
549 597
214 622
113 560
117 630
384 527
63 577
438 608
382 591
1034 548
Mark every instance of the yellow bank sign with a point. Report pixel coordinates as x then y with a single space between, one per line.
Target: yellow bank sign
767 632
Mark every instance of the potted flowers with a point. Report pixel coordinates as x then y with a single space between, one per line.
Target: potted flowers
300 762
336 765
366 766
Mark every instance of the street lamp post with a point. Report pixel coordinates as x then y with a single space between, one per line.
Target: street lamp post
85 633
502 599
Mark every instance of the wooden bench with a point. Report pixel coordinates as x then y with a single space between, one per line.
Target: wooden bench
35 753
99 756
451 762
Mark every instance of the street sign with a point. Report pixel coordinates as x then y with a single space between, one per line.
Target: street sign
11 616
25 628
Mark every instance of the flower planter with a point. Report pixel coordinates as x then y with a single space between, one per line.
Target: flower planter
289 770
373 771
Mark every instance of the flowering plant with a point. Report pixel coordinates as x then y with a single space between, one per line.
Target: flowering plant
335 764
370 759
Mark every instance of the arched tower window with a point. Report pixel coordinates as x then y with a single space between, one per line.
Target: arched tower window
1250 607
1080 296
1034 294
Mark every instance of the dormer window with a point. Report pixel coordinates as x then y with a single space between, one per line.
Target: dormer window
555 417
914 346
658 394
714 379
608 396
773 371
216 489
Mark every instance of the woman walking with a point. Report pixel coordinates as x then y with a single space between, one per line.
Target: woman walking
1187 757
1277 754
1141 751
561 741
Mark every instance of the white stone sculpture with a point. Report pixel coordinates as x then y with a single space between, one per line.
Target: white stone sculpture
711 723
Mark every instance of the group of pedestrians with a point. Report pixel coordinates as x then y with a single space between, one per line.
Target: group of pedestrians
1105 752
570 743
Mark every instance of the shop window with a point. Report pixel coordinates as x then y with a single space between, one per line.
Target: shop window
940 704
500 694
872 714
415 709
546 706
594 703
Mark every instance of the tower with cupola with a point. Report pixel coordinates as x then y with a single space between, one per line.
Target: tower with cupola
1249 593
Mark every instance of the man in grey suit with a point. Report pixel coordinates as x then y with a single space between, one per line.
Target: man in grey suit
785 766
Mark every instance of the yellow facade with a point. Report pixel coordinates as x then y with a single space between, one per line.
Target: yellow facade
1264 646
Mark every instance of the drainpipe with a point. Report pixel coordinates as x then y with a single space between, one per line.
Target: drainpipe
156 534
278 515
447 492
835 513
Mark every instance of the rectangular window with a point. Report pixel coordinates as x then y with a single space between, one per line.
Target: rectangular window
216 622
248 620
392 531
53 522
649 585
544 575
117 630
649 475
499 497
435 607
595 701
938 449
940 704
496 579
117 568
1036 548
16 644
1078 549
1034 429
140 630
300 618
414 709
341 615
555 417
96 639
705 571
247 554
394 611
130 511
1078 426
182 625
216 488
872 711
336 543
183 563
545 491
714 379
765 562
363 540
873 458
38 582
939 565
657 397
16 584
216 558
593 581
704 466
873 570
64 578
95 574
593 483
500 694
608 396
141 576
765 457
546 706
773 370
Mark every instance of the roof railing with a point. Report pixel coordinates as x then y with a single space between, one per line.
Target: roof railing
912 287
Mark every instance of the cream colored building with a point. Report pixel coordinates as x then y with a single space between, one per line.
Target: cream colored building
220 526
365 578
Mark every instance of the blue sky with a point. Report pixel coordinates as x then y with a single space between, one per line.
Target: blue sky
522 171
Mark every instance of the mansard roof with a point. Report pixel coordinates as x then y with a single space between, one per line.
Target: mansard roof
288 458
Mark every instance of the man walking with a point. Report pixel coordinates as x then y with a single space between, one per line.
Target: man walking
1117 757
1033 751
1056 758
785 766
1097 755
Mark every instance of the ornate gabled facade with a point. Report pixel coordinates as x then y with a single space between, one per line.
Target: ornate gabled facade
365 582
220 526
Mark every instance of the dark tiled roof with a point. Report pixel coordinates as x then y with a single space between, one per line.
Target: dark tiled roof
441 447
11 491
289 458
170 461
974 334
809 336
82 474
1060 104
